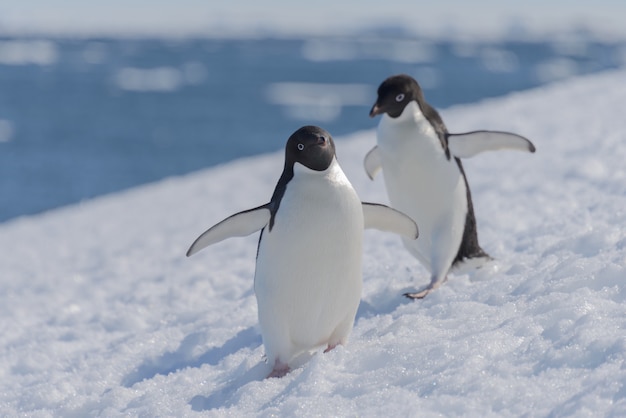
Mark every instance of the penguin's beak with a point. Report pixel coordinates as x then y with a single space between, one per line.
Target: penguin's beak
376 110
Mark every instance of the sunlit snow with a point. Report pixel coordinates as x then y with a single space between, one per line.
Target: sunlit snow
102 314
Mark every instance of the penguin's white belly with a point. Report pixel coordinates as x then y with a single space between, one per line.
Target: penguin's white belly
308 275
428 187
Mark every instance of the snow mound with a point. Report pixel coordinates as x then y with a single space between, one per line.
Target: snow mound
104 316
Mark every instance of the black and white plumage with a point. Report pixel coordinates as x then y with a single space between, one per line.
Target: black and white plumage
308 268
424 175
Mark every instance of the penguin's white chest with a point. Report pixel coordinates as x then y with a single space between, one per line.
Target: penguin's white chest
308 275
424 184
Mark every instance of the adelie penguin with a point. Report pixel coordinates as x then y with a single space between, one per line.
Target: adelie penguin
424 176
308 267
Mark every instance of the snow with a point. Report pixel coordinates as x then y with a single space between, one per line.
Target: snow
102 314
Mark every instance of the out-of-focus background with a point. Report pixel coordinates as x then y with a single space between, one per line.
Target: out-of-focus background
100 96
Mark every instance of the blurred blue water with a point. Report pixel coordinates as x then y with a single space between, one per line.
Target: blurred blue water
81 118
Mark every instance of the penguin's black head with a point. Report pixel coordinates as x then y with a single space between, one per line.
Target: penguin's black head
394 94
310 146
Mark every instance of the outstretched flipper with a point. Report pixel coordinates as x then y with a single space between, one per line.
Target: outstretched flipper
372 163
384 218
238 225
468 144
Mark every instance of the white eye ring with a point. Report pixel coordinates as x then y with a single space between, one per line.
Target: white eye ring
399 97
300 147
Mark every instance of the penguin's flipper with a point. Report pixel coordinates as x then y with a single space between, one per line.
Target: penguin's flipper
372 163
384 218
468 144
237 225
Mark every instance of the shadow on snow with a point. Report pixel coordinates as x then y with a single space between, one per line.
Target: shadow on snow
183 357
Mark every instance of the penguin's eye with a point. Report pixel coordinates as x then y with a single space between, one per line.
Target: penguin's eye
399 97
300 147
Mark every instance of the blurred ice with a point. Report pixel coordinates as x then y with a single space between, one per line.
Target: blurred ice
498 60
395 50
556 69
161 79
326 50
571 46
25 52
6 130
464 49
322 102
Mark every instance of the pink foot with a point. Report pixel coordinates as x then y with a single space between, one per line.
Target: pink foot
280 370
330 347
418 295
432 286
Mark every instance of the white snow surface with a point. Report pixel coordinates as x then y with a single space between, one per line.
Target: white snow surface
102 314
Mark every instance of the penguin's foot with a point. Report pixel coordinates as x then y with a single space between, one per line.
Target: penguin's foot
434 284
418 295
330 347
280 370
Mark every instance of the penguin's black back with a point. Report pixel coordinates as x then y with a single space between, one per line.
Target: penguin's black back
469 247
